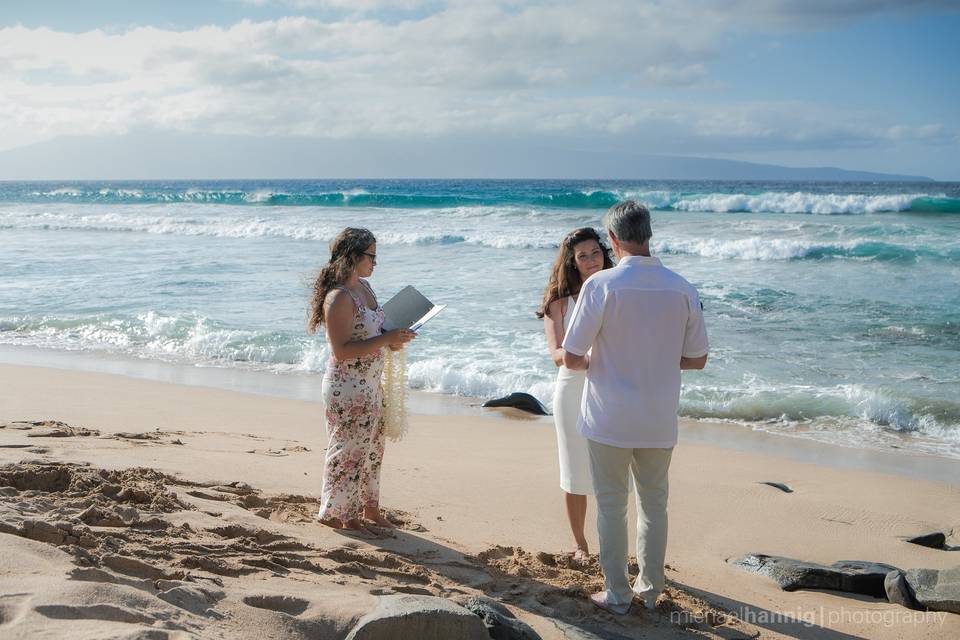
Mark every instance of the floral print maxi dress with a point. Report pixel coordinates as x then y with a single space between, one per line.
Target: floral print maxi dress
354 414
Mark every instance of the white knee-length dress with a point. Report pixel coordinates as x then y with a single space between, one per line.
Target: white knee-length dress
571 446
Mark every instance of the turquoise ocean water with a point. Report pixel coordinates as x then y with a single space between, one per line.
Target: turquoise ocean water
833 308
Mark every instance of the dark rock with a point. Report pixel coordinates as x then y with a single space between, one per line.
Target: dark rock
500 622
586 631
517 400
852 576
936 590
934 540
421 617
898 591
482 604
779 485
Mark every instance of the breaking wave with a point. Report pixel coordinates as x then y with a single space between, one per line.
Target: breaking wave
419 196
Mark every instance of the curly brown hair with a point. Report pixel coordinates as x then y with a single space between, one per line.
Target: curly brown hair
565 277
346 250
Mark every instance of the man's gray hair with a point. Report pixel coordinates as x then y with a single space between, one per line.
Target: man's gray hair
629 221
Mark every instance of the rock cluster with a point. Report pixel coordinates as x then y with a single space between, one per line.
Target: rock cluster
925 589
921 589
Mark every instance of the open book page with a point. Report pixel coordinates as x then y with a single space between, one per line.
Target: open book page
409 309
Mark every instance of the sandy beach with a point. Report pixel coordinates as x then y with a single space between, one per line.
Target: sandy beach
213 535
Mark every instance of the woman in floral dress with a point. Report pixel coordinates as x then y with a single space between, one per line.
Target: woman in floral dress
345 304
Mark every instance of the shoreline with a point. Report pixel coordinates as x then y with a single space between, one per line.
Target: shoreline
482 490
304 386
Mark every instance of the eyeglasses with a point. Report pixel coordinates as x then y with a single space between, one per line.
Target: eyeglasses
372 256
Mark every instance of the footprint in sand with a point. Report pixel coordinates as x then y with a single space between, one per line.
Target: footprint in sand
276 453
194 599
107 612
289 605
204 495
13 606
91 574
370 564
279 453
262 536
49 429
27 425
29 448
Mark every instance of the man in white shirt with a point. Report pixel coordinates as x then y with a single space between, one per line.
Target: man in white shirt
642 324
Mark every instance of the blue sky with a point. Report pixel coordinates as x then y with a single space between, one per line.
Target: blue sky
860 84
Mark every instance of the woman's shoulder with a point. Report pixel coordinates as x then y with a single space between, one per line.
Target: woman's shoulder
557 307
335 295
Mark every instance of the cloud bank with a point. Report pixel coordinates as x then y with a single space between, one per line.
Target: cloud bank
577 70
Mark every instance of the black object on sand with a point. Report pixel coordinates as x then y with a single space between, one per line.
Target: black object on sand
779 485
518 400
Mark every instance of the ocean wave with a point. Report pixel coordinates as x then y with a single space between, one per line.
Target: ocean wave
577 200
195 339
883 412
353 197
772 249
797 202
482 226
414 231
944 334
190 338
391 197
477 379
224 227
935 204
852 414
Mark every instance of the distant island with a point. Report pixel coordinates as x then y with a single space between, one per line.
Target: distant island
156 155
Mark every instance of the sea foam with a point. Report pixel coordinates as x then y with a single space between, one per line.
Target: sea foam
797 202
470 195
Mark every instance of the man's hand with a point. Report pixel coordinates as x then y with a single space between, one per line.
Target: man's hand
693 363
575 362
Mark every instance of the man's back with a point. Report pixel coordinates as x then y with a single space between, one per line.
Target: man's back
639 318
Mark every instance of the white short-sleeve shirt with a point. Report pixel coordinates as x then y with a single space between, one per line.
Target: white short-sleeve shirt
639 318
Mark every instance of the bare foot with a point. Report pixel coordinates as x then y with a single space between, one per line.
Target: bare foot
382 521
600 601
350 525
333 523
378 518
356 525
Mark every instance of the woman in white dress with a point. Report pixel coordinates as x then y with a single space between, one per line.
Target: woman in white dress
582 253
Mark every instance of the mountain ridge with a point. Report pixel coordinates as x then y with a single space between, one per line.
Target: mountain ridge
181 156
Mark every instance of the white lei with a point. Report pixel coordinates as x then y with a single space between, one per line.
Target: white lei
395 394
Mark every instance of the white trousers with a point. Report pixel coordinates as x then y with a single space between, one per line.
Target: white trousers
611 468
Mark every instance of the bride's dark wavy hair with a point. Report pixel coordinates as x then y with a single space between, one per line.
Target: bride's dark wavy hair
346 250
565 277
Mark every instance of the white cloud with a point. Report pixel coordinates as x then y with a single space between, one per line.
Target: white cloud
573 68
922 132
